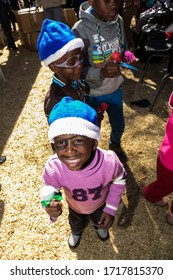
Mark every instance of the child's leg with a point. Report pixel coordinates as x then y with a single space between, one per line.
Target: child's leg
77 221
163 186
95 102
116 117
115 113
95 216
103 234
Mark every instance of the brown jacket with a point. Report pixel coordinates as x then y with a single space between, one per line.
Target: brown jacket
56 93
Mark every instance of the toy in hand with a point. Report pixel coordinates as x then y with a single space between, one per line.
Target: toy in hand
103 107
116 56
100 111
48 193
128 57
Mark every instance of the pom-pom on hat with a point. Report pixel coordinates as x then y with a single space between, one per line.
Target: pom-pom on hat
55 40
73 117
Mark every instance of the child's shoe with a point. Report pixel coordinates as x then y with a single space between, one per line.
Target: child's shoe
163 202
169 218
103 234
74 240
2 159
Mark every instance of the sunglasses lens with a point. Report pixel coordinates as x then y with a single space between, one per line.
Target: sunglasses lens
71 62
74 61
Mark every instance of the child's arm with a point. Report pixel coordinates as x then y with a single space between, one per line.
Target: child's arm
116 189
106 220
110 70
113 200
54 210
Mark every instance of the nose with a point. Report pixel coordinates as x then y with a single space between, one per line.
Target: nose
70 149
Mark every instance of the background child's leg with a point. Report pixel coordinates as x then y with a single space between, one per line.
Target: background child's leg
115 113
162 186
116 118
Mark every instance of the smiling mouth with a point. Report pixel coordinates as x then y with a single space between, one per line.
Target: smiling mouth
72 162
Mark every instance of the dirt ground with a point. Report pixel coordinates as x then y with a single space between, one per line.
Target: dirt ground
140 230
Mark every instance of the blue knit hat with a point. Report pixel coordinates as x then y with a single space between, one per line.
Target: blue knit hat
73 117
55 40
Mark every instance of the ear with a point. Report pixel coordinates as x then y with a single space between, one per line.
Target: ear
53 146
52 67
95 144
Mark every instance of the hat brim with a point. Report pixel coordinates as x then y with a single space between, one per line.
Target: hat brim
73 125
70 46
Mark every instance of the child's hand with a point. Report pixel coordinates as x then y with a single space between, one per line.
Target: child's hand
54 209
110 70
105 221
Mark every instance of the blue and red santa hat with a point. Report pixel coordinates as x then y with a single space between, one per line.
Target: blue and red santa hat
73 117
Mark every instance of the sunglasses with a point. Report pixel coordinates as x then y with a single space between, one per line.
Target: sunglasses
71 62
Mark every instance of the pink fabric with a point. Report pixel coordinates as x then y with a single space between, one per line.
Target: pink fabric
163 185
102 181
166 148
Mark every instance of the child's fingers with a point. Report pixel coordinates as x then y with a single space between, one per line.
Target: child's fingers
55 204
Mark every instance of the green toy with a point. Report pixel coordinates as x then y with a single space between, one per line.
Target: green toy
48 193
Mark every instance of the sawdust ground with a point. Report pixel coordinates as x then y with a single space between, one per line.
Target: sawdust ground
140 230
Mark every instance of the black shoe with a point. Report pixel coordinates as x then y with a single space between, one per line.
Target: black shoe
2 159
141 103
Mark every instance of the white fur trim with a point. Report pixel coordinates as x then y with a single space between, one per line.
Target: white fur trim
73 125
70 46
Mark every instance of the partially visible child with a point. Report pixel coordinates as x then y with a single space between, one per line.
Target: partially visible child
93 179
102 31
61 51
52 9
158 191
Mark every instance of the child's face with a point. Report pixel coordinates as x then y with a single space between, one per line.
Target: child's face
75 151
105 10
69 67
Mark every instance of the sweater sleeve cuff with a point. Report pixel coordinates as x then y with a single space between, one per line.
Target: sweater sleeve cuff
109 209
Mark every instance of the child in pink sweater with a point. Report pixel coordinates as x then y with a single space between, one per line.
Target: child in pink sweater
93 179
157 191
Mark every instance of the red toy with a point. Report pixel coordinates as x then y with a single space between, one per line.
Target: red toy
102 108
116 56
100 111
128 57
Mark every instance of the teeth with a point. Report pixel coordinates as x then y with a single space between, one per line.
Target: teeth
73 160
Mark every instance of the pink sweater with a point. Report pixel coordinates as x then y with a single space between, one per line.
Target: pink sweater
166 148
102 181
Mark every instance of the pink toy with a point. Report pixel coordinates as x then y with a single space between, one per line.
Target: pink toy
129 57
